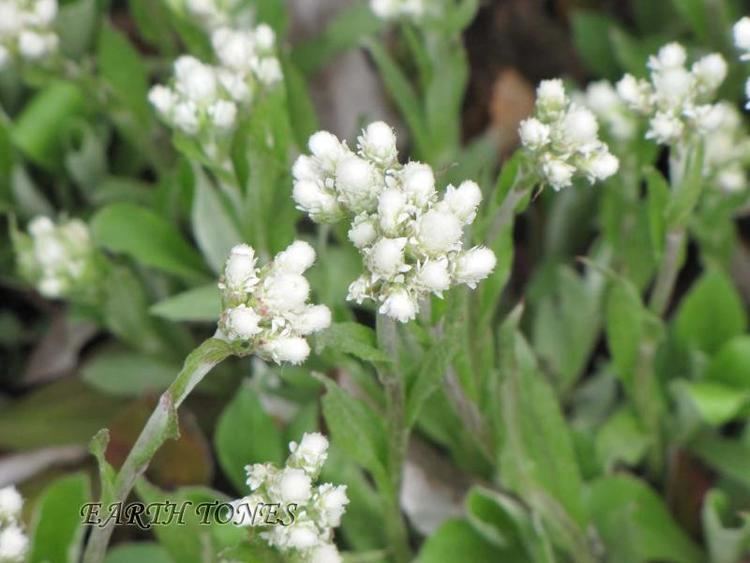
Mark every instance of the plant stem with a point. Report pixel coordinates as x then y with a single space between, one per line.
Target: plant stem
398 436
161 426
667 276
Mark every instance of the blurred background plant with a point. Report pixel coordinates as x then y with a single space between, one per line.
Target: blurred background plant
588 402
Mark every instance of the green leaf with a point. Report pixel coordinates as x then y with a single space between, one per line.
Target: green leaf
302 116
696 15
625 314
658 197
137 553
398 85
124 373
716 403
428 378
57 532
634 524
200 304
344 32
246 434
352 338
591 37
731 365
213 226
729 457
37 132
632 52
711 314
685 196
725 544
456 540
621 439
121 67
76 25
77 410
148 238
537 459
356 429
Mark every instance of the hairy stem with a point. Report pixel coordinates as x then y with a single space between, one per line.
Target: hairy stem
398 436
161 426
667 276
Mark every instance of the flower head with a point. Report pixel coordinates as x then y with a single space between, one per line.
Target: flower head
267 307
409 237
13 540
677 101
741 32
562 141
27 30
319 508
60 260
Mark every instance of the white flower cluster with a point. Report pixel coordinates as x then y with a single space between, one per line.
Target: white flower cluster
267 307
395 9
212 14
601 98
727 150
676 100
56 258
13 541
318 508
410 240
26 30
741 32
562 139
205 99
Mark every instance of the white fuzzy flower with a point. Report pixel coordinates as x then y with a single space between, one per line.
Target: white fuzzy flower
391 209
268 71
665 128
602 166
258 474
418 182
386 257
741 32
297 258
332 501
11 503
670 56
242 322
312 319
378 143
327 149
359 290
474 265
287 349
310 454
439 232
195 80
162 98
293 485
356 183
710 71
13 544
313 199
580 127
551 97
284 292
558 173
534 134
362 232
265 38
434 276
223 114
239 270
463 201
325 554
399 305
302 536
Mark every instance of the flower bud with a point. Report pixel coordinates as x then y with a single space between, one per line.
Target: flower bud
474 265
326 148
580 127
162 98
391 208
433 275
533 133
223 114
362 233
313 319
13 544
285 292
741 32
551 96
399 305
332 503
602 166
464 200
418 182
558 173
287 349
302 535
11 504
439 232
386 258
325 554
242 322
665 128
711 71
310 454
240 270
670 56
378 143
293 485
265 37
194 79
296 259
356 183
